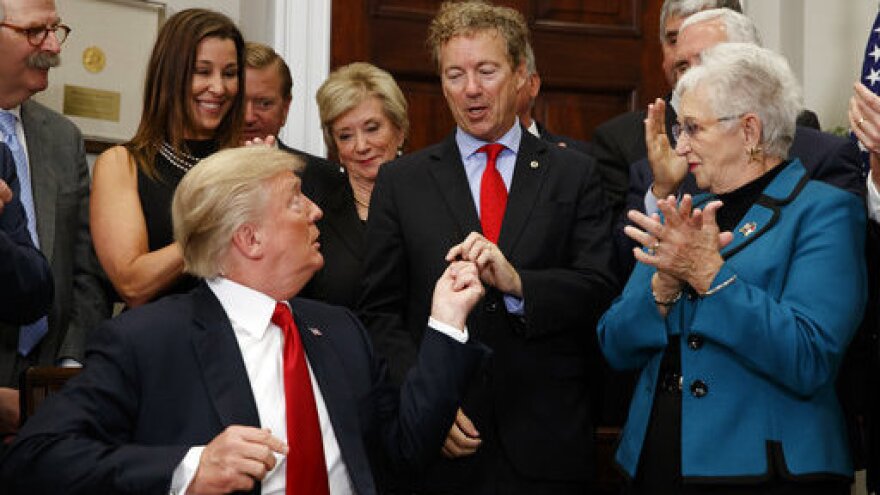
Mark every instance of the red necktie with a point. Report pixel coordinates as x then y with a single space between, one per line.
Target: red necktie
493 193
306 469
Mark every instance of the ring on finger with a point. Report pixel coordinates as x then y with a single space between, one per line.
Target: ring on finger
861 121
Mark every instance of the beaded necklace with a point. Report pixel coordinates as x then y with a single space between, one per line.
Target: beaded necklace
180 159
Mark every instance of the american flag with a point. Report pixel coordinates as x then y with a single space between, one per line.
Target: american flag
871 79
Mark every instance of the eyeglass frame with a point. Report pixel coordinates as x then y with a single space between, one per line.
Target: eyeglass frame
691 129
42 32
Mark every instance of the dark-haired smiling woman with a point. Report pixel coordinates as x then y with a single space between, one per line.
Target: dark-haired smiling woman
743 301
193 106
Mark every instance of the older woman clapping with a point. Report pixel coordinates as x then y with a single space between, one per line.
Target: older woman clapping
743 301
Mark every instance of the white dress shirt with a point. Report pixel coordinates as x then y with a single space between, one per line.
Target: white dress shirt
261 344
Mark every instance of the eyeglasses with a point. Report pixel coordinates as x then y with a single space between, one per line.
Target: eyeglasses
691 128
37 35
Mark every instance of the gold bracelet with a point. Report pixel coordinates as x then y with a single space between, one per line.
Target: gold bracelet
718 287
666 302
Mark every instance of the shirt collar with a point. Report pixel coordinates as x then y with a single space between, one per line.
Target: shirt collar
468 145
246 308
534 129
16 110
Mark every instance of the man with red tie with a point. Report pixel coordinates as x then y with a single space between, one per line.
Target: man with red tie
531 216
235 386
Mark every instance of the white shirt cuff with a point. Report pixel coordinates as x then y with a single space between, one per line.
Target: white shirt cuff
449 330
186 471
651 201
70 363
873 200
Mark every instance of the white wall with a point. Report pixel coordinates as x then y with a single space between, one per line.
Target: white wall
824 42
228 7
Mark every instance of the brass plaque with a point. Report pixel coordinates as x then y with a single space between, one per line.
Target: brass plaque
92 103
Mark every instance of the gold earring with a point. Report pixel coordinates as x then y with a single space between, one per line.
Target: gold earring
756 154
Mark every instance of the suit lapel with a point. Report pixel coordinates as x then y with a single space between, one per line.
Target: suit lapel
44 182
336 392
448 171
528 176
219 357
345 221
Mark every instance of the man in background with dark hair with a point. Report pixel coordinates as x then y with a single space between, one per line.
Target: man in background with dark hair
268 93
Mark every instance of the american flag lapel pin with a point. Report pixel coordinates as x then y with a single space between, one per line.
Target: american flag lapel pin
747 229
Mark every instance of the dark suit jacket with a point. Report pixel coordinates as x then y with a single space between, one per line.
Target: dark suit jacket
342 244
535 392
575 144
26 288
320 178
60 183
170 375
616 144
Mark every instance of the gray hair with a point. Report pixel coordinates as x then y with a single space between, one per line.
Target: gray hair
529 55
740 78
687 8
739 28
220 194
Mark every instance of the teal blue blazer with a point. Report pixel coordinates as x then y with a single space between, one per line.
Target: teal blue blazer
766 348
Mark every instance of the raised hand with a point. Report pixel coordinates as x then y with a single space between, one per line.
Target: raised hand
669 169
687 246
456 293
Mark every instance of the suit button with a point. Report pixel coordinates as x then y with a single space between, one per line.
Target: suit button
695 342
491 306
699 389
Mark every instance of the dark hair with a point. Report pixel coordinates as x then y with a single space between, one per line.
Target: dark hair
168 86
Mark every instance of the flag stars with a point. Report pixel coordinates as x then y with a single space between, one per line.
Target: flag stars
875 53
873 77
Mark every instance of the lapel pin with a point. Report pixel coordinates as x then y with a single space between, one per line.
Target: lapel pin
747 229
316 332
534 164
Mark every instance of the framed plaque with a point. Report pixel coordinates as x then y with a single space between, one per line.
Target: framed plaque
100 82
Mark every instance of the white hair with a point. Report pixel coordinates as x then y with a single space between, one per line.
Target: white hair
740 78
738 27
686 8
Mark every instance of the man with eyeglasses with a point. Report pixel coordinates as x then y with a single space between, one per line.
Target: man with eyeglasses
49 159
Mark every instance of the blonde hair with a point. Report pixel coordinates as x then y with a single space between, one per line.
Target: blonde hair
348 86
219 195
467 18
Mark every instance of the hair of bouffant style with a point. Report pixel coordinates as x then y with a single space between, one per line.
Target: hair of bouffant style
166 111
220 194
470 17
259 56
741 78
348 86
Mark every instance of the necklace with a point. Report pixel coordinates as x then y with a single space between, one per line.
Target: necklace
181 160
360 203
